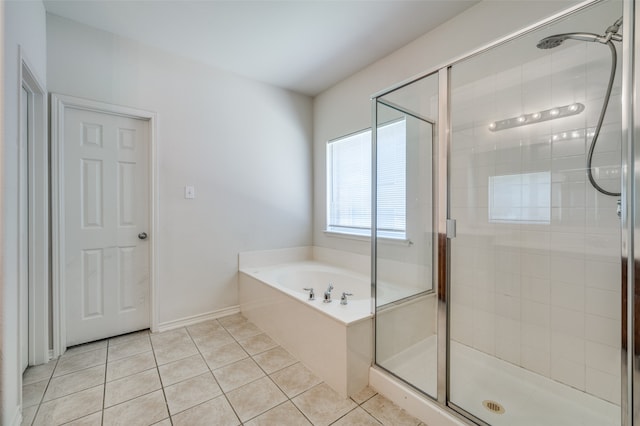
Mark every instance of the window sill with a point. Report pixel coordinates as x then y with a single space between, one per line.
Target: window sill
364 238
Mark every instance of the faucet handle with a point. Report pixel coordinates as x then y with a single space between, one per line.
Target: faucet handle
330 287
343 298
312 294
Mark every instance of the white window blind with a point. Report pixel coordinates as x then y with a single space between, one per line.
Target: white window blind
349 182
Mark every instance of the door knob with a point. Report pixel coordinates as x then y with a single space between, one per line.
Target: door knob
142 235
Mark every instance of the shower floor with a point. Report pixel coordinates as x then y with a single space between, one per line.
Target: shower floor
529 399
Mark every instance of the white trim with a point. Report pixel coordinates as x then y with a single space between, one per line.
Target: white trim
38 212
58 105
17 419
195 319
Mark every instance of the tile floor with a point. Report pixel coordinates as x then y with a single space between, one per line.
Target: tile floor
220 372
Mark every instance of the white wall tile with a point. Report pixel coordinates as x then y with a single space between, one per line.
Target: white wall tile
603 275
567 321
603 330
570 296
603 303
569 347
568 372
603 385
536 313
536 289
536 360
603 357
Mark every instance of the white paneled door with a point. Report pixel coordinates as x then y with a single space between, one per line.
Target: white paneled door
106 208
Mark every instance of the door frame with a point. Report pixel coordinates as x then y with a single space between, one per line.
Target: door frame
37 215
59 104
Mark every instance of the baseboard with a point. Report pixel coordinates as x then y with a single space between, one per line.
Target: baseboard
17 419
185 322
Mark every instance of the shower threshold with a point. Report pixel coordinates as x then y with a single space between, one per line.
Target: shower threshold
478 380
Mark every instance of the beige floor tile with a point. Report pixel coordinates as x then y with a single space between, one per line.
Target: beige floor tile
243 330
388 413
168 353
80 362
223 355
232 319
183 369
144 410
39 373
357 417
274 359
295 379
28 414
365 394
85 347
70 407
204 328
165 422
213 340
131 387
283 415
125 338
237 374
129 348
32 393
258 343
174 337
131 365
94 419
322 405
255 398
191 392
74 382
214 412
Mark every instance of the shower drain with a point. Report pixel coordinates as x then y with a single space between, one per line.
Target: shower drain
493 406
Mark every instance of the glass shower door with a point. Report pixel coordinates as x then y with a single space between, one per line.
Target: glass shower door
406 304
535 267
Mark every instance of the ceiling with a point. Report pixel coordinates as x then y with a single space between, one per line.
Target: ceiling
302 45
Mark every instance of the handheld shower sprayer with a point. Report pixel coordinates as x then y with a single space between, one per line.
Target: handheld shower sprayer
611 34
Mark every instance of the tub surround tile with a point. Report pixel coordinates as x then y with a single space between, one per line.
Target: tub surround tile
255 398
141 411
128 366
80 362
224 355
237 374
74 382
358 417
32 393
191 392
258 343
274 359
322 405
183 369
389 413
283 415
39 373
70 407
295 379
214 412
130 387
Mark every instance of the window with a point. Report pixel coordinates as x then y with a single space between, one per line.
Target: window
349 182
520 198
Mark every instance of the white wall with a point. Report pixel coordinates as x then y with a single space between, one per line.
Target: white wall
25 26
244 145
346 107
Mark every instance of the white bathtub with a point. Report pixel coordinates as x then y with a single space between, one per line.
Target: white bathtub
334 341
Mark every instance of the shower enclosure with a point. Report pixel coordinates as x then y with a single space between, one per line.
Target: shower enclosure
505 298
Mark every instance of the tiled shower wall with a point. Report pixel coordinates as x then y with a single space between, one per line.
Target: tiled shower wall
544 296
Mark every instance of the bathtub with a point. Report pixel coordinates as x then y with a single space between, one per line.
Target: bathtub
334 341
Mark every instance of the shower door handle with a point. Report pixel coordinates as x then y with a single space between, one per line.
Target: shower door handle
451 228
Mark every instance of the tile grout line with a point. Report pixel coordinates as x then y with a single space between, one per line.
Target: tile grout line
164 395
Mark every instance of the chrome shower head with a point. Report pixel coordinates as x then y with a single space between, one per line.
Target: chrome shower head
557 39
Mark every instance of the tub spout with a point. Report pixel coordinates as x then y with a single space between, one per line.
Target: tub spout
327 294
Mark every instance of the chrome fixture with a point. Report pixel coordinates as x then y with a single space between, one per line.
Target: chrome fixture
327 294
312 295
610 35
343 298
537 117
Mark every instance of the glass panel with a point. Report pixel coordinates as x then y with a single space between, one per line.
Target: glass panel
535 267
405 299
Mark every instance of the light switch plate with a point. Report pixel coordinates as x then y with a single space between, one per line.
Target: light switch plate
189 192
